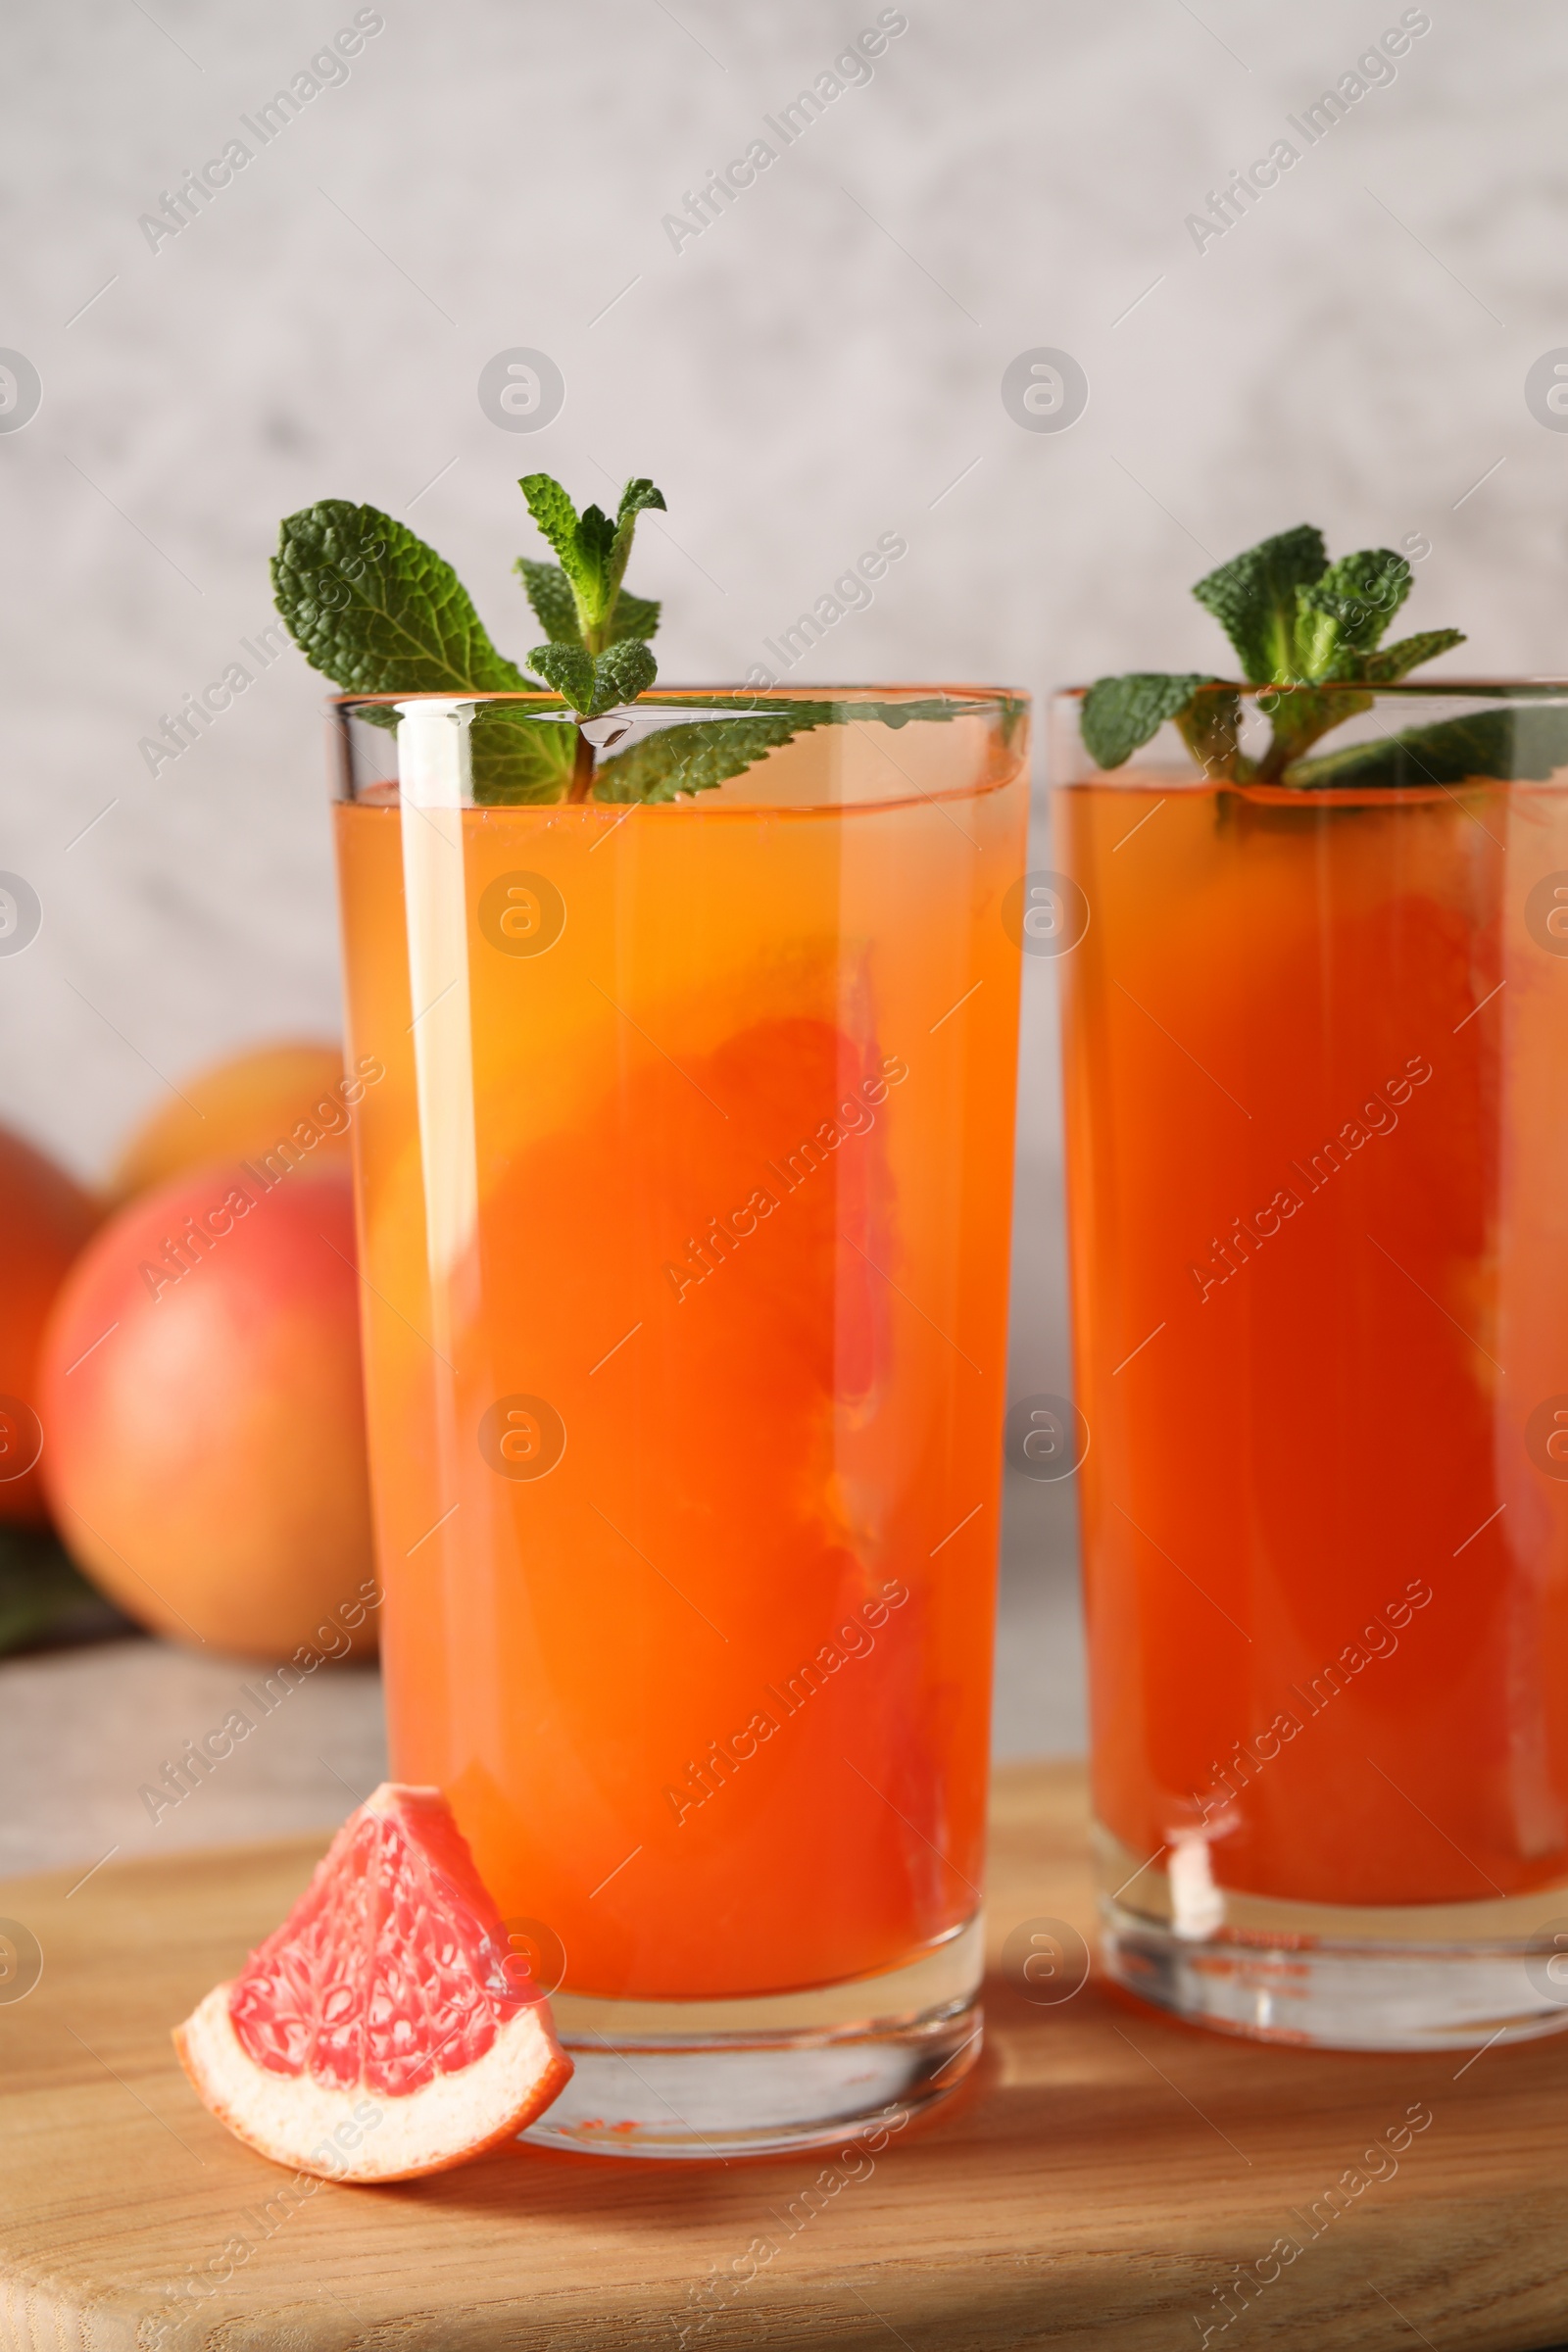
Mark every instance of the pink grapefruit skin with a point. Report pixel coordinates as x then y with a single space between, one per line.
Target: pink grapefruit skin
386 2028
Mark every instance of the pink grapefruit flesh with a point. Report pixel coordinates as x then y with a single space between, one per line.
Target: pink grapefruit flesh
386 2028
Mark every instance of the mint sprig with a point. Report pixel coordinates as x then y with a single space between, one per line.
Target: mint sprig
1311 631
380 612
592 550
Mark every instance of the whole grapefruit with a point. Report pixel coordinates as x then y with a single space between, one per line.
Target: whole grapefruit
204 1424
243 1109
44 1220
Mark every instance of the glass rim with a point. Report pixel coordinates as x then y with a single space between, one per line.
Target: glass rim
735 700
1540 686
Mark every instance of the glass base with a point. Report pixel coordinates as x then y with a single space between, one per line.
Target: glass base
1339 1977
759 2078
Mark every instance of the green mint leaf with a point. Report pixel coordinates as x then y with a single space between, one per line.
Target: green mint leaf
699 755
637 497
554 514
1299 716
1369 587
1525 744
1120 715
1252 597
634 616
549 591
518 758
1342 615
1408 653
376 611
570 670
1210 726
593 550
621 674
596 536
577 540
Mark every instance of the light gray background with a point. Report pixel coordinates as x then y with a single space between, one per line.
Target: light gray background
821 365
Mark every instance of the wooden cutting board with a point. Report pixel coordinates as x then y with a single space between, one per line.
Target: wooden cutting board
1095 2184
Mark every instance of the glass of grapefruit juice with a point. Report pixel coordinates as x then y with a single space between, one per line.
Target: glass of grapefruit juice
1316 1081
684 1217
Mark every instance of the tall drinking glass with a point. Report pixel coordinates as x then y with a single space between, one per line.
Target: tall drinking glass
1318 1140
684 1214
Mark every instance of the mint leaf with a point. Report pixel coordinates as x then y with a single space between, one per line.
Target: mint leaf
621 674
1527 744
378 612
556 518
1299 716
593 550
1252 597
634 616
549 591
1382 668
570 670
637 497
1342 615
1212 727
699 755
592 683
1120 715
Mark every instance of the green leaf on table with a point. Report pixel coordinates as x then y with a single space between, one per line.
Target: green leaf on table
1121 714
44 1599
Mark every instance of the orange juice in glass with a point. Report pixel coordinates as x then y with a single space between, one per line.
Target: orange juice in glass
684 1213
1317 1137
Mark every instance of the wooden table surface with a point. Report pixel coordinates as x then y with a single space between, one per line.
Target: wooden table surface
1107 2179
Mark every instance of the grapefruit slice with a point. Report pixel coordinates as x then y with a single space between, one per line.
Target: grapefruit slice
386 2028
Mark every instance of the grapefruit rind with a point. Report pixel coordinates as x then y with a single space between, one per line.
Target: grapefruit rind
359 2135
